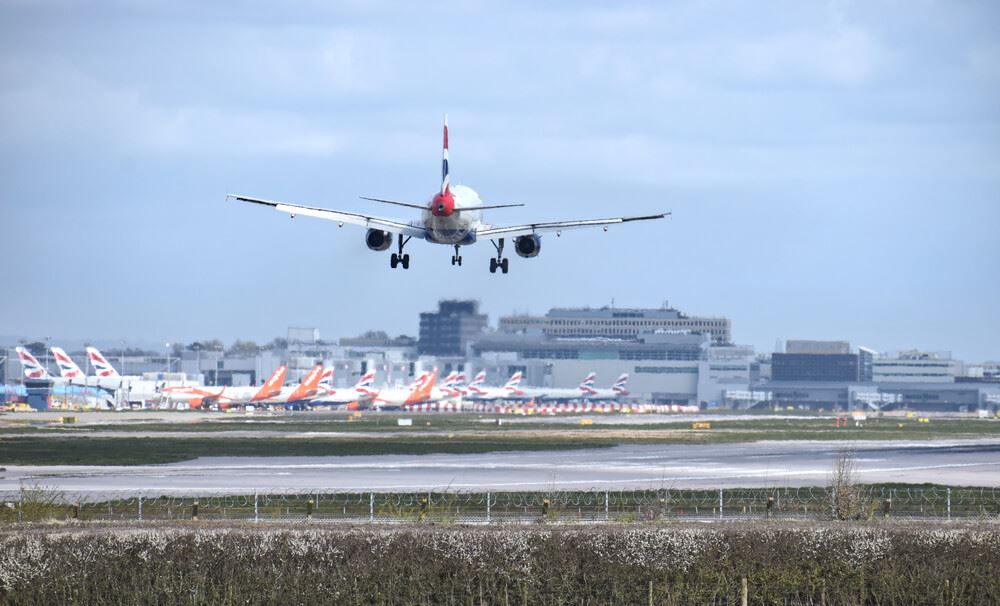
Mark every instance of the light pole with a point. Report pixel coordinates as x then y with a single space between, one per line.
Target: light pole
47 340
168 356
121 356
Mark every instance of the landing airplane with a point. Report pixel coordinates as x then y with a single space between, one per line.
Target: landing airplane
452 217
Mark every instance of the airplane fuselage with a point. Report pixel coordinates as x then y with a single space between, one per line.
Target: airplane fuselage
452 218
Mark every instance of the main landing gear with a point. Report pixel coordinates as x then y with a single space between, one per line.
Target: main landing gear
456 259
499 261
399 258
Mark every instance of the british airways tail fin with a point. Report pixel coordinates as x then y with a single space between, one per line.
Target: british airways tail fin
514 381
102 367
32 369
67 367
444 160
367 381
620 385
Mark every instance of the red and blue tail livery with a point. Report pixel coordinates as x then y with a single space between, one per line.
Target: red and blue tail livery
102 367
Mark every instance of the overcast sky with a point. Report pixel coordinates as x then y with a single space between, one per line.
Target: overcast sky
833 168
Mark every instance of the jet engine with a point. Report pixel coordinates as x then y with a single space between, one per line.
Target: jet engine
376 239
528 246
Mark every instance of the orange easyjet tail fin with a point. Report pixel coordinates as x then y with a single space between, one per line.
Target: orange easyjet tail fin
273 385
307 388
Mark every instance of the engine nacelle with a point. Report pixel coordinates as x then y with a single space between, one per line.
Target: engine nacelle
528 246
376 239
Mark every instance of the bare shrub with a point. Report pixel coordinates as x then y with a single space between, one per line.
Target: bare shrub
847 500
35 503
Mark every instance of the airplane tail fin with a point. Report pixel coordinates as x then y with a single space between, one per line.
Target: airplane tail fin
32 369
102 367
67 367
326 381
620 385
514 381
444 160
367 381
479 379
273 385
308 385
423 391
587 386
450 380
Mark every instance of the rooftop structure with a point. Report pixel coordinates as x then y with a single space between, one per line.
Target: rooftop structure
615 323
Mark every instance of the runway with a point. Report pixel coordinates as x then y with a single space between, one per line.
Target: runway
757 464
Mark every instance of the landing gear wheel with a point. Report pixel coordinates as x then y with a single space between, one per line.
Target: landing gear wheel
499 261
398 258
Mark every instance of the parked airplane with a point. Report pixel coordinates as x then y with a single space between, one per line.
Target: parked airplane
226 396
417 392
307 389
361 392
452 217
478 392
584 391
617 390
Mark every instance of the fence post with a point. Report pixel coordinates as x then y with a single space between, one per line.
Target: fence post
309 510
371 506
720 503
888 506
744 592
487 507
770 506
256 511
607 501
76 511
949 501
140 508
194 511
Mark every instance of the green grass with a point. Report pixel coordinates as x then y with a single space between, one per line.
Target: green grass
147 451
456 434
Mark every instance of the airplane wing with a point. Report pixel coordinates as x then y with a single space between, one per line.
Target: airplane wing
535 228
391 225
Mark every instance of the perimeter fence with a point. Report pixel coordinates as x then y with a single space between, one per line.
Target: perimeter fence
588 506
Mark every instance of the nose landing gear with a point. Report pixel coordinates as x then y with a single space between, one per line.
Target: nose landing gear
456 259
499 261
399 258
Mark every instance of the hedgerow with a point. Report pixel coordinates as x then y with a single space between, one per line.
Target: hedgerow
830 563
